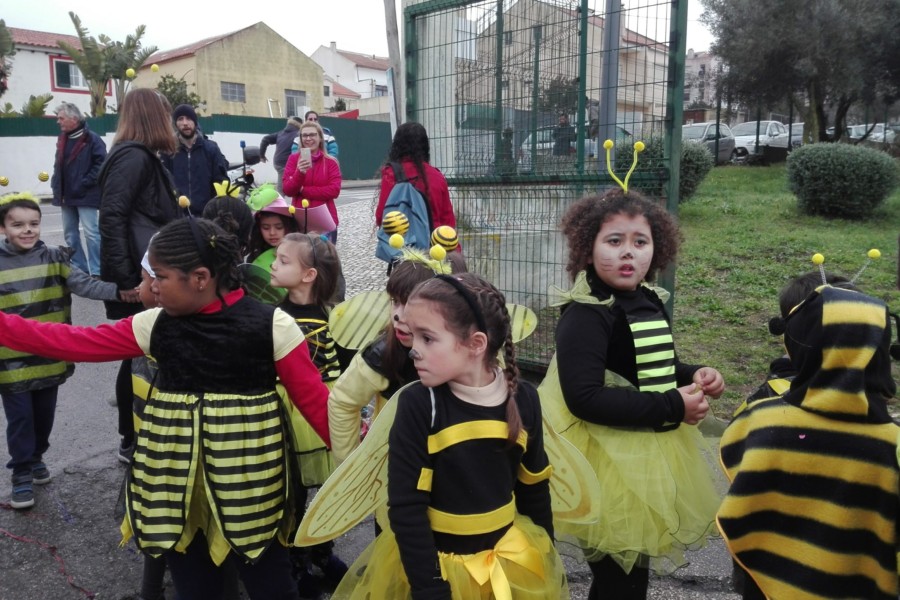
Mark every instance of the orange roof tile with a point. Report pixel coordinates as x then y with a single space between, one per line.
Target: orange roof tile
41 39
188 50
339 90
367 61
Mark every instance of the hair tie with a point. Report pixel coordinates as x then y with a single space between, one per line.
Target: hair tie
469 298
203 248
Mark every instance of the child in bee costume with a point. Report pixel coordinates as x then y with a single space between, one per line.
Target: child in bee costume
813 511
466 460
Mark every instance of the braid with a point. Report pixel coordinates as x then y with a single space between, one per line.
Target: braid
176 247
510 367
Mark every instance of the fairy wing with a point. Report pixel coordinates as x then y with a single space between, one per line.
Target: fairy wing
257 282
574 489
356 488
522 321
355 322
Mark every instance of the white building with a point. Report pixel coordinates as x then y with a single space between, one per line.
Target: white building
40 66
700 72
365 74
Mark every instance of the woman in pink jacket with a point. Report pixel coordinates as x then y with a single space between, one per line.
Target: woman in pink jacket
317 179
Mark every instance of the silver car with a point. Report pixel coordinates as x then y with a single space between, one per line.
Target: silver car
705 133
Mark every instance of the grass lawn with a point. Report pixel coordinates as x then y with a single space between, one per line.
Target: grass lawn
744 239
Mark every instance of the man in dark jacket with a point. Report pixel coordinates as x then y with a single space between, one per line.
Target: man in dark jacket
198 163
79 155
283 141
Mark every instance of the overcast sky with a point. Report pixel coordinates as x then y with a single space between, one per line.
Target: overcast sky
356 25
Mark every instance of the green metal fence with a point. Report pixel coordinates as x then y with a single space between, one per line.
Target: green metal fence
517 97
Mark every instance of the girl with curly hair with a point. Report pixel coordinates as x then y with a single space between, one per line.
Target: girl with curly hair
618 392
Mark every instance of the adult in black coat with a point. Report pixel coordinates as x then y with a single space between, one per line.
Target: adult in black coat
283 140
137 199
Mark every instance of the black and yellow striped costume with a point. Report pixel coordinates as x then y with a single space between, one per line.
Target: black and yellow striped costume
814 504
38 284
468 512
212 451
313 457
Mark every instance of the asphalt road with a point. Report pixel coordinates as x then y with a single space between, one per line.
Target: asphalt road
67 546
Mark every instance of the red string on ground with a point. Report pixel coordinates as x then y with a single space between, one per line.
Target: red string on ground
55 555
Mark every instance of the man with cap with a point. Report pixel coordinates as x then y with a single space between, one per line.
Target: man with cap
198 163
283 140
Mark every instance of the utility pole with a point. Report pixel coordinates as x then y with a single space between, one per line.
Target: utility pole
393 42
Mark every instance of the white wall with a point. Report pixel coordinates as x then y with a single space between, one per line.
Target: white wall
25 157
32 75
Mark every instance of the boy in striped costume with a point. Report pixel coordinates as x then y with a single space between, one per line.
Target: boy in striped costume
812 511
37 283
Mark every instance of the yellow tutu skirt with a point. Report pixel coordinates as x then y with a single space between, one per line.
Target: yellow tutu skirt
658 495
524 565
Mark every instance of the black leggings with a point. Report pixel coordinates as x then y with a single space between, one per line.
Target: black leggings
612 583
125 402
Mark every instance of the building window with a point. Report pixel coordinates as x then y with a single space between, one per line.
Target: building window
327 92
508 38
67 76
295 101
381 90
233 92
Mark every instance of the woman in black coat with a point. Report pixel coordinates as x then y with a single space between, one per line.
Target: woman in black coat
137 199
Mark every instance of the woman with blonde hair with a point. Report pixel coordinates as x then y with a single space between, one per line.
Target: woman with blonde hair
316 178
137 199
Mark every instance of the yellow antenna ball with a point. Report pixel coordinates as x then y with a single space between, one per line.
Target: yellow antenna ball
129 73
43 176
292 209
874 253
818 259
184 201
396 241
639 146
608 145
437 252
304 203
4 181
154 67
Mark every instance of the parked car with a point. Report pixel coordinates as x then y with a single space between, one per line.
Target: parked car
856 132
772 134
796 131
705 133
544 146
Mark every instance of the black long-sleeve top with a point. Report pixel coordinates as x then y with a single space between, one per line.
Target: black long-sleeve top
471 477
593 339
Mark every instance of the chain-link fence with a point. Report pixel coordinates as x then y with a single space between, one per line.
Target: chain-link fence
517 97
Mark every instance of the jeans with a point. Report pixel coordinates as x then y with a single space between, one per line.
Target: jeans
88 218
29 421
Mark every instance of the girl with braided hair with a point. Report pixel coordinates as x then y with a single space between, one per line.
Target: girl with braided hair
468 475
209 479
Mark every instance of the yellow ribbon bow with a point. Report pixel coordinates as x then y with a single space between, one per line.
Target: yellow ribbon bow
514 547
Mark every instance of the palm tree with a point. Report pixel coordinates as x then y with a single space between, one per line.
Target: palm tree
104 60
130 55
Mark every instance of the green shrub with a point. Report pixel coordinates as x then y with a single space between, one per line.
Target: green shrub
696 163
840 180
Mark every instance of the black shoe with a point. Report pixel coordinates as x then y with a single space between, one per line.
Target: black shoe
40 474
125 452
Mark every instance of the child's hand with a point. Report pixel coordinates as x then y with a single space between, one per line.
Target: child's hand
710 381
695 404
131 296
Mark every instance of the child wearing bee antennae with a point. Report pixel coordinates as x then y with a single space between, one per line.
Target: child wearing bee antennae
617 391
812 509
